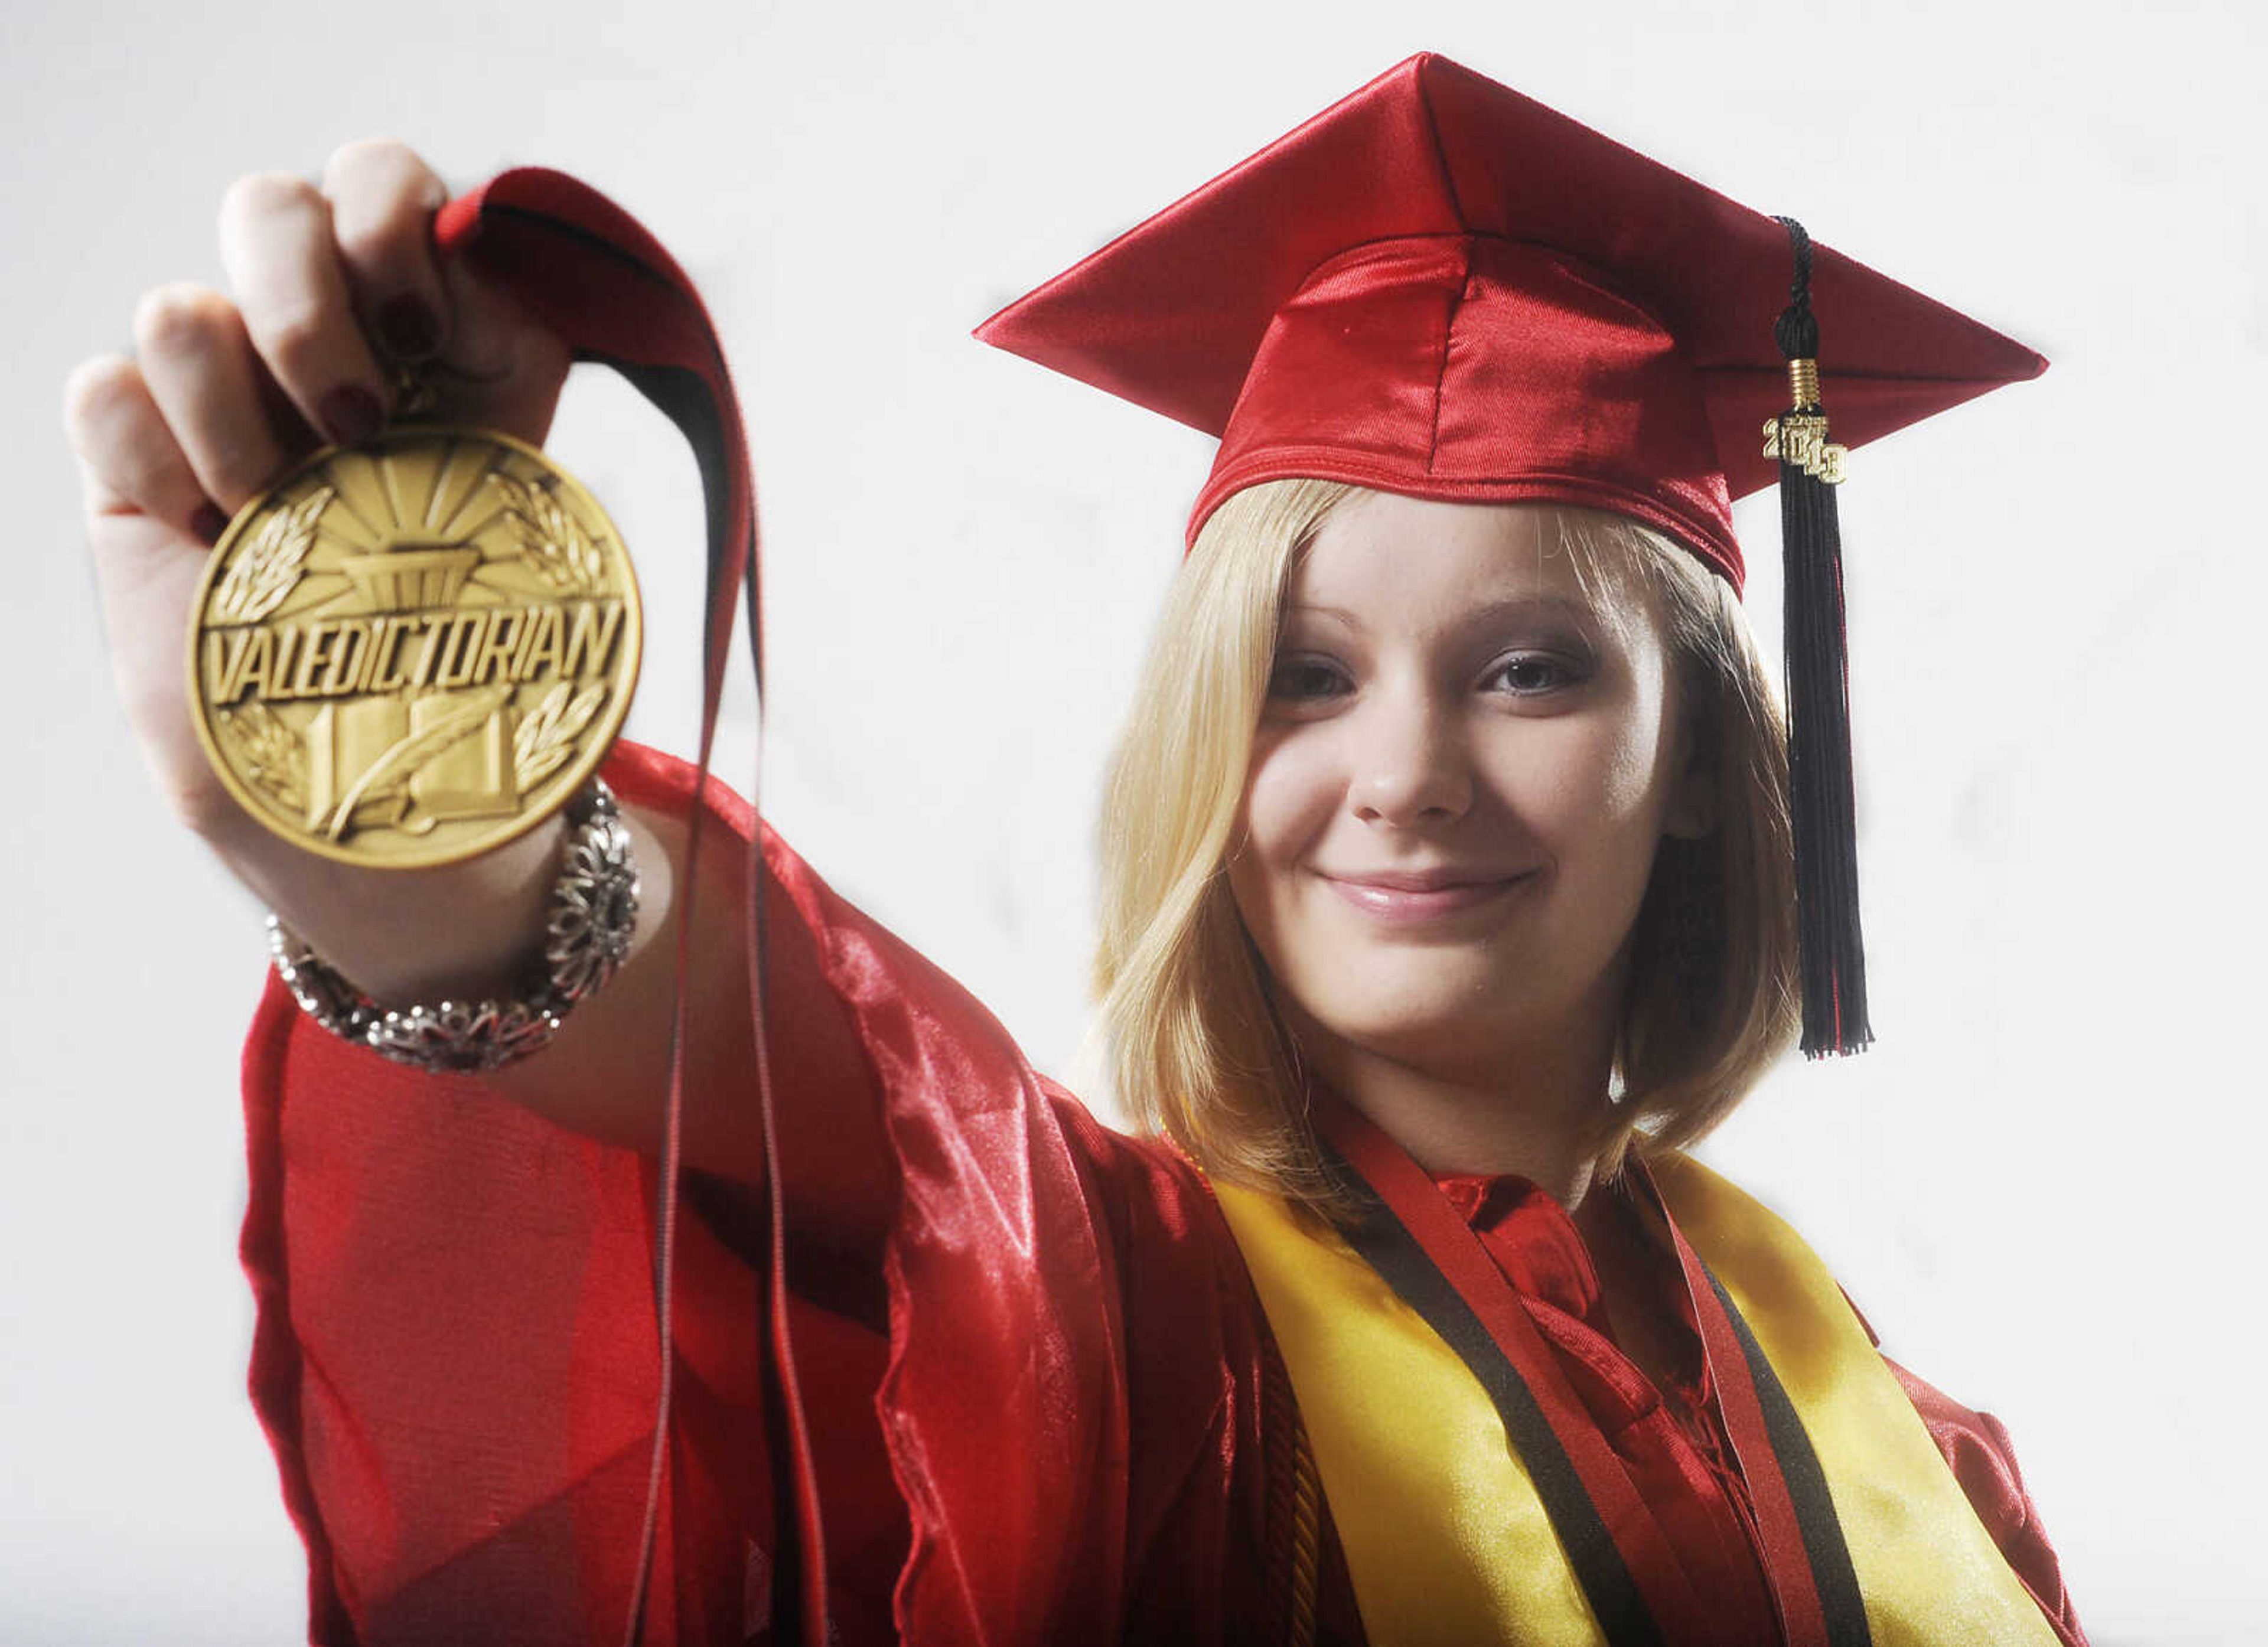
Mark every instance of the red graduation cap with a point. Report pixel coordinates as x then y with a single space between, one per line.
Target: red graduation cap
1438 286
1441 288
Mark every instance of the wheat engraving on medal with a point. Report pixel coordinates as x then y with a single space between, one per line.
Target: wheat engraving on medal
409 652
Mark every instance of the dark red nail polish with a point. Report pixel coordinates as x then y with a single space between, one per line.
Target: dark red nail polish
408 327
209 523
350 414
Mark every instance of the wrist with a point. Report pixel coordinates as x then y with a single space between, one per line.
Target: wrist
459 928
591 911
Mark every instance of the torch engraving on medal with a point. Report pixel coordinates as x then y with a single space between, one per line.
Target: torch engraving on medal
409 652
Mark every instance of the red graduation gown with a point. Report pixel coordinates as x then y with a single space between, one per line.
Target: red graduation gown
1041 1389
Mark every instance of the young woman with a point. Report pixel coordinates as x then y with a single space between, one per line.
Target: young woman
1449 890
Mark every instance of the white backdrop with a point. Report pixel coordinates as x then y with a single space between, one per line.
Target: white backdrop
2034 1186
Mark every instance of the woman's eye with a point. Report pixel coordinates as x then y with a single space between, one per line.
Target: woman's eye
1304 678
1528 673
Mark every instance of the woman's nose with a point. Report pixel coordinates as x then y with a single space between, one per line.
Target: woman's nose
1409 764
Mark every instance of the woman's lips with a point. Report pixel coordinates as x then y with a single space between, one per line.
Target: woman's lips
1411 899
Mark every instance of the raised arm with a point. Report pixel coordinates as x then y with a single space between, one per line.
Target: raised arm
334 290
1026 1351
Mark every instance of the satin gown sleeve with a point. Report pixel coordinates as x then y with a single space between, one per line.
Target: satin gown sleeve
1976 1448
1031 1357
1983 1460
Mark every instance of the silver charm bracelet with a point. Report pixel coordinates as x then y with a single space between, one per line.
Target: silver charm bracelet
593 913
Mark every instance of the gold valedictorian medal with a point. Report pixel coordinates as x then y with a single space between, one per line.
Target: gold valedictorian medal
411 650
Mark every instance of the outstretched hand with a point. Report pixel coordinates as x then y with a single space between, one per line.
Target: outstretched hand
336 296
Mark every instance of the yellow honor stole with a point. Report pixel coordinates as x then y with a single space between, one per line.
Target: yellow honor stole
1445 1536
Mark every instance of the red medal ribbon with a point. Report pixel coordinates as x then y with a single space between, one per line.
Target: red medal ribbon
587 269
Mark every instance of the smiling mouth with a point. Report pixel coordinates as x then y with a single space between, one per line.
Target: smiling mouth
1419 902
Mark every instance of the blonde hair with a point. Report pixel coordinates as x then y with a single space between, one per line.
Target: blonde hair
1194 1046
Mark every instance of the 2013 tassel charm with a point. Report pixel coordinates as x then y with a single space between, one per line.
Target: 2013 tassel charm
1823 796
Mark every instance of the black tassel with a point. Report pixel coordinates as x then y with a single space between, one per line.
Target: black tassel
1818 690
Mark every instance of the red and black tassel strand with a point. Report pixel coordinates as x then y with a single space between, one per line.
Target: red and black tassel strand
1823 796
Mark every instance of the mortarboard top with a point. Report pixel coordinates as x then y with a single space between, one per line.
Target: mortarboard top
1438 286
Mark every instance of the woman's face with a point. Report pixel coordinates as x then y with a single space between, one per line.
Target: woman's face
1460 774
